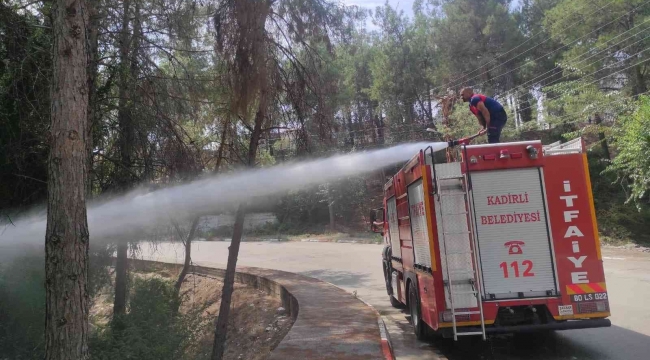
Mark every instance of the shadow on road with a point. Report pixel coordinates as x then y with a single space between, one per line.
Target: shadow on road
340 278
613 343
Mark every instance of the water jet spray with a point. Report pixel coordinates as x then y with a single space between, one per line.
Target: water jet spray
132 212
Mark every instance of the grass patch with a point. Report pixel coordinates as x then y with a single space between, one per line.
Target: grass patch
152 329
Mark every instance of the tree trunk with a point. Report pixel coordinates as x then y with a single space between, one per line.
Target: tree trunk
222 144
330 205
379 121
188 254
221 331
524 106
640 85
350 128
361 139
221 328
601 137
195 222
66 236
124 118
429 105
93 55
125 179
121 264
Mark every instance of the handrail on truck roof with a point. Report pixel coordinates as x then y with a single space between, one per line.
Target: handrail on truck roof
479 146
570 147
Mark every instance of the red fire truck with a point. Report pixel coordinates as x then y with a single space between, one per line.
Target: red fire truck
504 240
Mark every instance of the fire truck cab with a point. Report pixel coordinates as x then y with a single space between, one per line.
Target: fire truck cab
504 240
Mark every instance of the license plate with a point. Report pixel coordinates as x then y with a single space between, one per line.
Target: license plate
565 310
589 297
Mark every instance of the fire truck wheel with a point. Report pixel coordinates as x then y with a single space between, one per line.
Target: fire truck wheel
395 303
387 277
419 327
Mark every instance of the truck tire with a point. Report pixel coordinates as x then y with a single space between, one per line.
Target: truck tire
389 286
419 327
388 277
395 303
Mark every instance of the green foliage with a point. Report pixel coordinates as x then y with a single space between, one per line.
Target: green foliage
618 221
307 210
98 268
22 299
632 140
301 209
152 329
472 34
604 28
22 308
25 65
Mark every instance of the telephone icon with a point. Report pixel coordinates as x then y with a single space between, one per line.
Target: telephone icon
514 247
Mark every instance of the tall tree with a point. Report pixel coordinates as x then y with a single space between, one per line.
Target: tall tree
128 47
475 37
66 237
261 42
240 31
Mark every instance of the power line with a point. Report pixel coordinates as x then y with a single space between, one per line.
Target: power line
556 50
594 81
559 95
385 145
388 130
510 92
375 146
372 129
559 118
579 56
417 97
547 39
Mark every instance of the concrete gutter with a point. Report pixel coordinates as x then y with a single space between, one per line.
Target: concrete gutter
329 322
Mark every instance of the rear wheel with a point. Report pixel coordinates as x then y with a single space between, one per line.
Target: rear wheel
419 327
388 278
395 302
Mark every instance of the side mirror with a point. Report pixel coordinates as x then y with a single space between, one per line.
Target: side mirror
377 221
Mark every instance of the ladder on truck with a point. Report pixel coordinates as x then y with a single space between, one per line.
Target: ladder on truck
451 189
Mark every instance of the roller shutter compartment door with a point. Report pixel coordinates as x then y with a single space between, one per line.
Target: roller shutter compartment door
513 235
393 228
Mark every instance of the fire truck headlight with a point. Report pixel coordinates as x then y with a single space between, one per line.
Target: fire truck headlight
600 306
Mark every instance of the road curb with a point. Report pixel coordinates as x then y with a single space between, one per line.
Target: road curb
329 322
386 345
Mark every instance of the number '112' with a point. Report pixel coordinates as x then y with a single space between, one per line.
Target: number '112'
528 271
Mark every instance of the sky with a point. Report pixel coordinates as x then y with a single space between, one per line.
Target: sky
404 5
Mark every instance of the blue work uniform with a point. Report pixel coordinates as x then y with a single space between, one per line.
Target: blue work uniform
498 115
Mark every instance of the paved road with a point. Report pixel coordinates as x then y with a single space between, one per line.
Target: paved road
357 267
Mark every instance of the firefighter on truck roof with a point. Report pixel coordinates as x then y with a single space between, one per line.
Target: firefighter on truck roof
490 114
